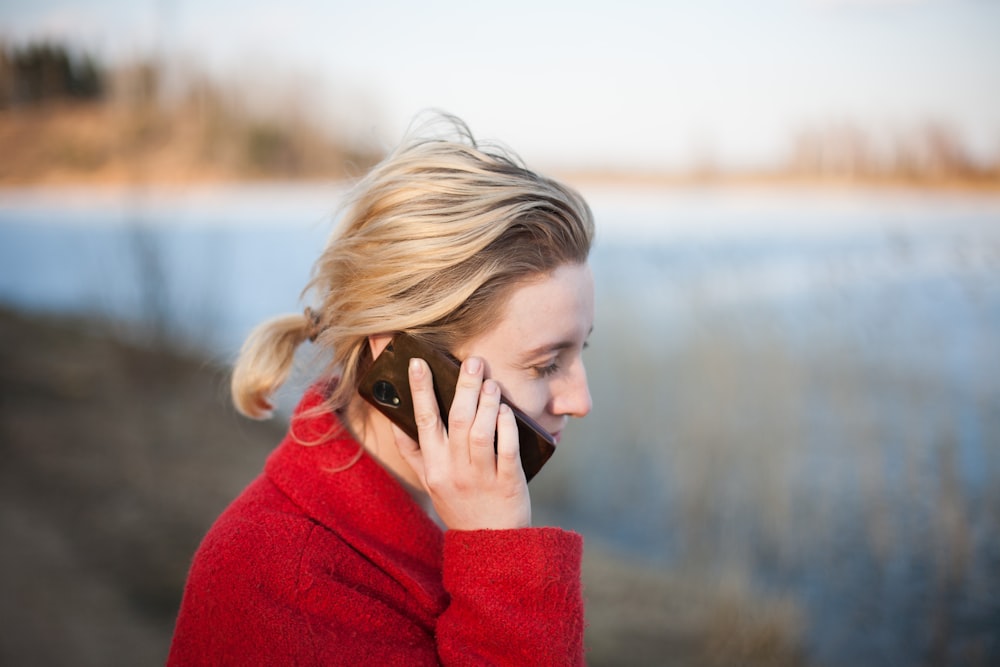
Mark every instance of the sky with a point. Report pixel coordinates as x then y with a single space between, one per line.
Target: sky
618 84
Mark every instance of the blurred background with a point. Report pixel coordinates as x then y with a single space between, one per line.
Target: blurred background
794 454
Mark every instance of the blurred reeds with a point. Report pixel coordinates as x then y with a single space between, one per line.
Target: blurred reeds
844 490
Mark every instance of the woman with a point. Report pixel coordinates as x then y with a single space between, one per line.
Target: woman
335 554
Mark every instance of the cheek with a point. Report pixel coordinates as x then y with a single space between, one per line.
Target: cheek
531 396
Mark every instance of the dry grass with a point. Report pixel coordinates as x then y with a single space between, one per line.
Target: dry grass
116 459
639 615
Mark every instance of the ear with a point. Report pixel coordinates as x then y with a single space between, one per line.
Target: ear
377 343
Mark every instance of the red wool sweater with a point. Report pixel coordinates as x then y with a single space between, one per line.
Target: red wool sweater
317 565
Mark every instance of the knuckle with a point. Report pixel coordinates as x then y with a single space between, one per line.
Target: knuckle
481 438
466 382
462 485
509 451
508 454
425 420
436 479
459 422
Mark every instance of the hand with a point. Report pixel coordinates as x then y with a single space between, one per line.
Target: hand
471 487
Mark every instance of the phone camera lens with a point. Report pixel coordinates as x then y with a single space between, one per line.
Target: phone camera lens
385 393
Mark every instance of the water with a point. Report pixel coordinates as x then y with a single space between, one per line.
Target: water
209 263
800 387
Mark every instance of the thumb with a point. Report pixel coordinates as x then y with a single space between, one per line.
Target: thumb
409 450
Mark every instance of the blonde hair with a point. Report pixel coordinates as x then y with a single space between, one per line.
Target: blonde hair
431 242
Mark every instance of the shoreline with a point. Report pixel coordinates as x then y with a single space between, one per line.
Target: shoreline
114 190
763 180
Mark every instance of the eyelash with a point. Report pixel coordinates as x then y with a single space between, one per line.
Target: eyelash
553 368
546 371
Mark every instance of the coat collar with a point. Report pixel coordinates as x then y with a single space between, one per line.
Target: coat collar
359 501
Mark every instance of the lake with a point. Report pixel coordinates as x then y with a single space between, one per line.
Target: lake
797 389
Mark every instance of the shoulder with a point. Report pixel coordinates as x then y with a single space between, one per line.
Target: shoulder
241 593
251 545
265 550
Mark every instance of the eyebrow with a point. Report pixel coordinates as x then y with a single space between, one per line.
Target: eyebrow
554 347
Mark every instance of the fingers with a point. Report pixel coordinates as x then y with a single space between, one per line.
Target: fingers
464 407
425 407
473 421
508 457
482 435
471 486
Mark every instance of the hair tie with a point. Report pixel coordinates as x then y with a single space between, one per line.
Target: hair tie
313 329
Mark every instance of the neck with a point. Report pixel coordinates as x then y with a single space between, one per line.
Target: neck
375 433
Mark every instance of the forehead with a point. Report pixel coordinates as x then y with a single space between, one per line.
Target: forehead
558 305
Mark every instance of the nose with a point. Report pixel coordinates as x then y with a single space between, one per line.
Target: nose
572 397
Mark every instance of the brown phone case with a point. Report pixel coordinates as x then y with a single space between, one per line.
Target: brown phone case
386 385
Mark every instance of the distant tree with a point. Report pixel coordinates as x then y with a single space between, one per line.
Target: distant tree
43 72
927 152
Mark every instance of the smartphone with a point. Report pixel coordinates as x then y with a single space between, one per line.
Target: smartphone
386 386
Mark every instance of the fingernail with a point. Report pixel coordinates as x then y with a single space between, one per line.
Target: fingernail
472 365
416 368
490 387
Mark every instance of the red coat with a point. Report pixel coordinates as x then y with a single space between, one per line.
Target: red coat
315 566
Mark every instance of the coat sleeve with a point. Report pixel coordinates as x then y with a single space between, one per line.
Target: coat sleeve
515 598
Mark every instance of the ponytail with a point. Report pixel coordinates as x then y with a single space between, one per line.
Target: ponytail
265 361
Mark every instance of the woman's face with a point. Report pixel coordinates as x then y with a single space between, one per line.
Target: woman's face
535 351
